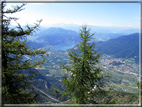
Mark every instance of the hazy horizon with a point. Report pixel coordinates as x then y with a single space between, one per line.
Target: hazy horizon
121 15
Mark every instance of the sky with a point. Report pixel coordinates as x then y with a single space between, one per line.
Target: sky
97 14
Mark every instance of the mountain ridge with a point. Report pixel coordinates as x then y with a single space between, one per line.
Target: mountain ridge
126 46
56 35
59 34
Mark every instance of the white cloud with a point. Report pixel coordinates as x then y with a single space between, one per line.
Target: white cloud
109 25
138 18
30 18
130 25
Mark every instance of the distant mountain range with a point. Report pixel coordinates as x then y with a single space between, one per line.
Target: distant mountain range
95 28
56 35
118 45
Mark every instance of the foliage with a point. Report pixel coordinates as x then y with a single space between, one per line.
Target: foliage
83 81
139 85
17 85
118 96
124 97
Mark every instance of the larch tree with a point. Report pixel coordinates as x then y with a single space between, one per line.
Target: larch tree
16 85
84 80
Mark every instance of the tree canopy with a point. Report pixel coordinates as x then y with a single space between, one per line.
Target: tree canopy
16 85
84 80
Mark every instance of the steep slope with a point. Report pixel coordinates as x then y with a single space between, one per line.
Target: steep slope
43 85
121 47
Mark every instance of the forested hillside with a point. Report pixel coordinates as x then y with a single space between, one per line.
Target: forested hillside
122 47
126 46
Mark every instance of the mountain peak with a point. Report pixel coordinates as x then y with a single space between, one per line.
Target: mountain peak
57 30
57 35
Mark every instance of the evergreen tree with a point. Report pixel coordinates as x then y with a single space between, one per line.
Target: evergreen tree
84 80
139 85
16 84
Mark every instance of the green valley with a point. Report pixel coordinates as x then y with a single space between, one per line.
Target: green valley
125 72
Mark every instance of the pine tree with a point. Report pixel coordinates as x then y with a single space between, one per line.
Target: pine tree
139 85
84 80
17 85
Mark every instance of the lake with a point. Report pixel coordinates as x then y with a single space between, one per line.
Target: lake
64 46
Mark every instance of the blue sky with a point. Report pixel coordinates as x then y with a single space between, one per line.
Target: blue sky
97 14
